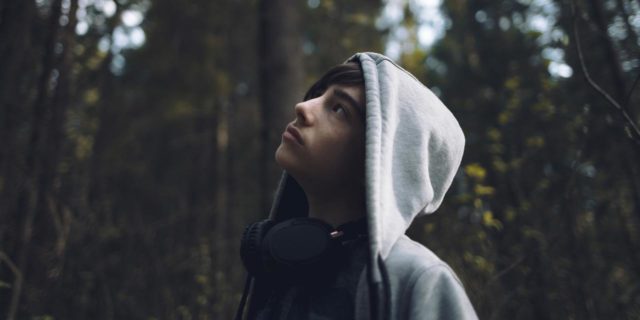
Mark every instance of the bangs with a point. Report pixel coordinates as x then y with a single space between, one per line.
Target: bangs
349 73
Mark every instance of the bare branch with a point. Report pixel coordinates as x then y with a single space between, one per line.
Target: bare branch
17 284
630 123
627 99
507 269
5 258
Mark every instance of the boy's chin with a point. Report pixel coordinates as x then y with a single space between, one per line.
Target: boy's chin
285 159
290 163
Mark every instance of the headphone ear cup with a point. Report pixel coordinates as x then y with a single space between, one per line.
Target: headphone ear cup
251 247
300 250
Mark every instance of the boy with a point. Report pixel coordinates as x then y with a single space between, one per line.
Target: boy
370 149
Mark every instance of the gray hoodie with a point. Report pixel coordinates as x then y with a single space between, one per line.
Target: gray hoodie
414 146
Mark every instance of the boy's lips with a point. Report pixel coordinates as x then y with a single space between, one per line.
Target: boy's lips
294 133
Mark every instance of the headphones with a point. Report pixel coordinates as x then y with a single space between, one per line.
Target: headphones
298 250
301 250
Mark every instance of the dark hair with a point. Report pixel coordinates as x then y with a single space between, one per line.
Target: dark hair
349 73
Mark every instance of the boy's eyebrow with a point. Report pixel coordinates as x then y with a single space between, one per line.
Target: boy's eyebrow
344 95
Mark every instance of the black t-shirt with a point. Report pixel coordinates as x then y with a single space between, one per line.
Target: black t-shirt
331 299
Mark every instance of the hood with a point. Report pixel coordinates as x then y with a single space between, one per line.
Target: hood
414 146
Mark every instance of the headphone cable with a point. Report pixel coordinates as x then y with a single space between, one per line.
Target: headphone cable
245 294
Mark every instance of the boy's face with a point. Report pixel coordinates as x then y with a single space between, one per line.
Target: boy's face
324 145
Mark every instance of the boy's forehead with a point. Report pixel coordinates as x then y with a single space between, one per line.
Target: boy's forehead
355 91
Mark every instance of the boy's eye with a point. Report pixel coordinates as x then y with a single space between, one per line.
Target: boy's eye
338 109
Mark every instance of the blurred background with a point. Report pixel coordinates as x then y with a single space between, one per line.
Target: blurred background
137 140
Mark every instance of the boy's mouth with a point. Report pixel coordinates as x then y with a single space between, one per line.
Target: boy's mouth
293 132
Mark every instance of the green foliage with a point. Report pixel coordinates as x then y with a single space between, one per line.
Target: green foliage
543 213
139 210
128 171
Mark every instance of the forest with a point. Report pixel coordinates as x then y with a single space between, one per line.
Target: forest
137 141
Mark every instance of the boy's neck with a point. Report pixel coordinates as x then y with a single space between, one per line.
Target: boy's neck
336 208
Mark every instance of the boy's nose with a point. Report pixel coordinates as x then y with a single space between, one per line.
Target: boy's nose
304 114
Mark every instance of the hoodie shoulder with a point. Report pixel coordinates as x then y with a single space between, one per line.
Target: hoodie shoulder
423 286
409 255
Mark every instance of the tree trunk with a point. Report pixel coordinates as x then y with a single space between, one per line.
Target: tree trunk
16 80
37 162
619 86
281 80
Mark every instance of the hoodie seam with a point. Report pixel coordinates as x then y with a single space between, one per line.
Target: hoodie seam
403 70
438 262
417 274
382 58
